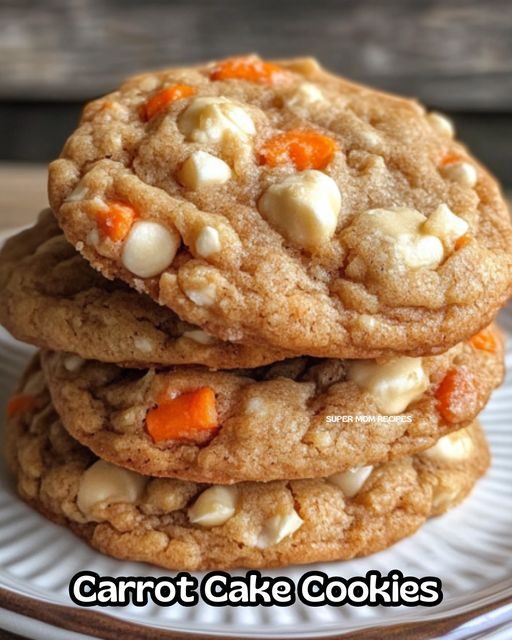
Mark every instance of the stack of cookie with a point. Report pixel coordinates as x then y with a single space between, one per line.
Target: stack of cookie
264 297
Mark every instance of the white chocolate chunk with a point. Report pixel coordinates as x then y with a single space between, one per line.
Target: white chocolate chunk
143 344
304 95
213 118
214 507
445 225
35 384
444 497
256 407
351 481
203 296
199 336
73 363
451 448
441 124
208 242
201 169
104 483
304 207
402 228
278 528
461 172
393 384
93 238
149 248
80 192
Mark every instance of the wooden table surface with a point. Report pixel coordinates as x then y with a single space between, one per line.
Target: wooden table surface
22 194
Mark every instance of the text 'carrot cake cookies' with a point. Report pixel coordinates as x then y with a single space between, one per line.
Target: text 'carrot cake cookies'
183 525
300 418
278 203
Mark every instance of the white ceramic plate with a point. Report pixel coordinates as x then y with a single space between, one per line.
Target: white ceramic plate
470 549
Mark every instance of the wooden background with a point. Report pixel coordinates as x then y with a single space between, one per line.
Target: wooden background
455 55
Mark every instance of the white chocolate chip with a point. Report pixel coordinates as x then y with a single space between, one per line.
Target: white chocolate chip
104 483
305 95
203 296
143 344
79 193
445 225
213 118
393 384
93 238
319 439
256 407
303 207
453 447
35 384
307 66
214 506
99 203
460 172
208 242
73 363
444 496
199 336
278 528
201 169
402 228
441 124
149 248
351 481
148 83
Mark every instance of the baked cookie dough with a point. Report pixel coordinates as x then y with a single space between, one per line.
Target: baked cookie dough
301 418
276 203
182 525
52 298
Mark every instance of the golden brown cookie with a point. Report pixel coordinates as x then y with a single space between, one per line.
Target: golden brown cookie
52 298
301 418
280 204
182 525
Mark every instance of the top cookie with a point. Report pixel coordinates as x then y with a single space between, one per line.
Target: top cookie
279 203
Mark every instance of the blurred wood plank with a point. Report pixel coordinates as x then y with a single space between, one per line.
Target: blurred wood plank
456 54
22 194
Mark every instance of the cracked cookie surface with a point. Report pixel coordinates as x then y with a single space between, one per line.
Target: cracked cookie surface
183 525
296 419
278 203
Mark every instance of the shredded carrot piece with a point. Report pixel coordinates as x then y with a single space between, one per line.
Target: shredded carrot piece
186 417
19 403
246 68
453 393
484 340
462 242
160 100
450 158
116 220
305 149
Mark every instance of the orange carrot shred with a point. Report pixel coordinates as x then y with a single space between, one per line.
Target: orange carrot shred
305 149
19 403
453 394
450 158
186 417
484 341
246 68
462 242
160 100
116 220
